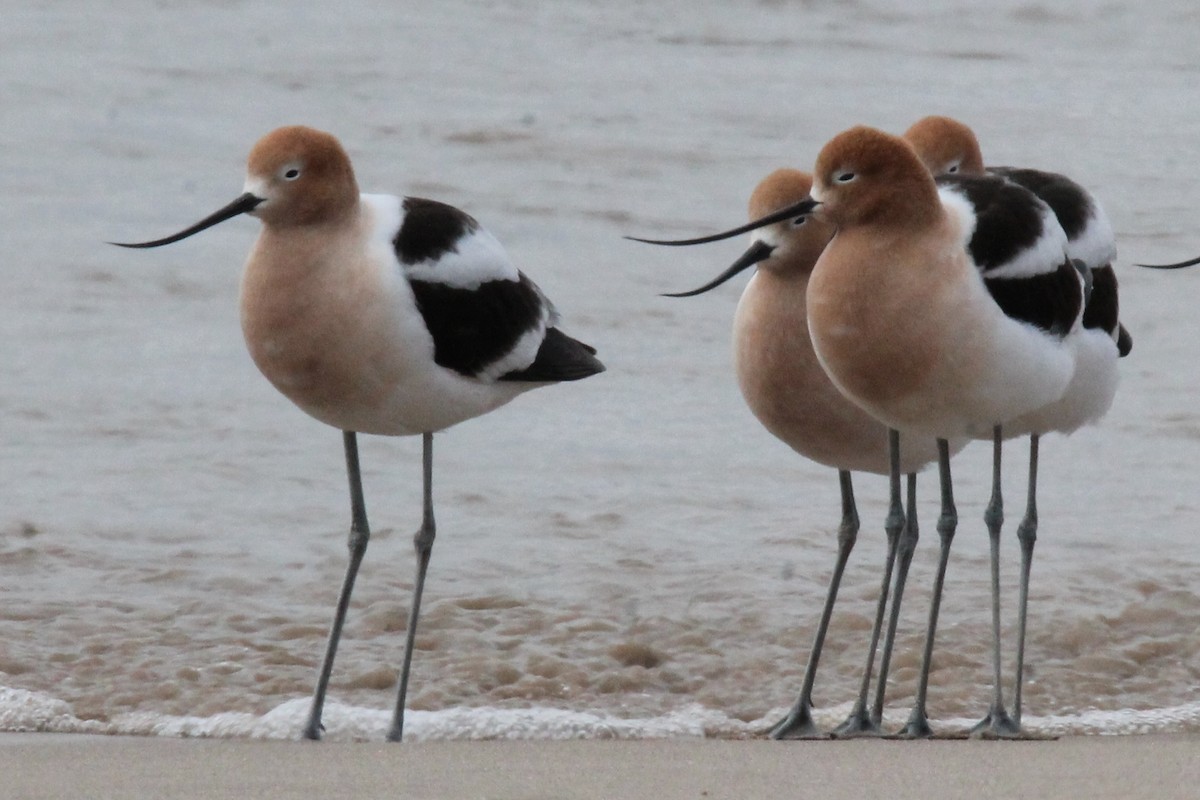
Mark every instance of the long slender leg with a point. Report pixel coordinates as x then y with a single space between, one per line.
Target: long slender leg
360 534
1027 535
997 722
904 556
859 722
918 722
798 724
423 542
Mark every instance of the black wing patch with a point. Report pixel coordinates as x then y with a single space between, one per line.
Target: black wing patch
560 358
1068 200
1007 218
1074 207
1102 309
430 230
473 328
1050 301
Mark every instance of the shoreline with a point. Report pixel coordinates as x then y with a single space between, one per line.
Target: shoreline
1159 766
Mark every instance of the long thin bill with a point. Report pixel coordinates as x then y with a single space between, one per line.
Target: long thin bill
1189 263
243 204
759 251
799 209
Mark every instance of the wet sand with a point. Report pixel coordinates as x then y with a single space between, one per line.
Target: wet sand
53 766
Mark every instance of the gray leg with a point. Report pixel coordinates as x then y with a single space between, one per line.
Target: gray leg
997 722
859 722
360 534
423 542
904 556
918 722
798 724
1027 535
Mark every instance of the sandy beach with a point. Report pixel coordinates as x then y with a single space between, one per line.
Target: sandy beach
114 768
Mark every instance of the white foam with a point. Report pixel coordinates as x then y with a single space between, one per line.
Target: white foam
22 710
349 723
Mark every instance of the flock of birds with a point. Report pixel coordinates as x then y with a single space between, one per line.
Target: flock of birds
906 300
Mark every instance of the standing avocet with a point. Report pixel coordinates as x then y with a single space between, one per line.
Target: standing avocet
790 394
949 147
384 315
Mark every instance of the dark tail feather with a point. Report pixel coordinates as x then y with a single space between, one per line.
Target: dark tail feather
560 358
1124 341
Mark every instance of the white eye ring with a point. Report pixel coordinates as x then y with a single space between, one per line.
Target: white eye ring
845 177
798 221
291 173
953 168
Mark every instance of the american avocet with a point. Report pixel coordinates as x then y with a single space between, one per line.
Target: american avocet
941 312
384 315
949 147
790 394
986 262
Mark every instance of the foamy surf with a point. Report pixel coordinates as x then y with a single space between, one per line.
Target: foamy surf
26 711
22 710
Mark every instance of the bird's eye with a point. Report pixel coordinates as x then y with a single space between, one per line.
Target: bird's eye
953 168
798 221
291 174
845 177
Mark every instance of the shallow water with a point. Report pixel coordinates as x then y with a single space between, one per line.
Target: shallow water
629 556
